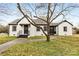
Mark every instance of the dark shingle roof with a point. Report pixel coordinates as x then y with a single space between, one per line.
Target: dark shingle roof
15 21
37 21
53 24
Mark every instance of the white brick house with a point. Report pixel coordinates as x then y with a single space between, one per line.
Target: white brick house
23 27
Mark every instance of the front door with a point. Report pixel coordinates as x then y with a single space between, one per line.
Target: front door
52 30
25 29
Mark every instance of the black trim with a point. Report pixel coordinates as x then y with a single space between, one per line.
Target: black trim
17 22
20 20
13 24
64 21
45 24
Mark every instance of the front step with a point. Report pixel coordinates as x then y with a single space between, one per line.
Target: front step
23 36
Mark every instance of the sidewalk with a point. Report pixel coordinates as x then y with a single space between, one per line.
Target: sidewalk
5 46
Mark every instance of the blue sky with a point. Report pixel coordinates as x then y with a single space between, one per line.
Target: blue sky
5 19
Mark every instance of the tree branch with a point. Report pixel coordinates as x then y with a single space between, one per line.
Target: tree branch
60 13
40 19
52 12
48 12
27 17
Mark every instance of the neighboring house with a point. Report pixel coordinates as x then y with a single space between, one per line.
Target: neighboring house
23 27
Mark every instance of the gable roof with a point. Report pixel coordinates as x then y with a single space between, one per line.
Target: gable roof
65 21
15 22
39 22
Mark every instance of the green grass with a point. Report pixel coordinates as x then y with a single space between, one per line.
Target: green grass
36 37
60 46
4 39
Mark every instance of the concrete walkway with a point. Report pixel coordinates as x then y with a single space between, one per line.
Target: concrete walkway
5 46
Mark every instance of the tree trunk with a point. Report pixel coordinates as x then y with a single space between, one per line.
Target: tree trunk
48 32
48 38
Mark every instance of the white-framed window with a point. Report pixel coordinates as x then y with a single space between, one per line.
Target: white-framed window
13 28
65 28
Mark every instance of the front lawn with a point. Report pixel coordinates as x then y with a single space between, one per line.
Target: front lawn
36 37
60 46
6 38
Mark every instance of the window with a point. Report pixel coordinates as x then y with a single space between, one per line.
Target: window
38 29
65 29
45 28
14 28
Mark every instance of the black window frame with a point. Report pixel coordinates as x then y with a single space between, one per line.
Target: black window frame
65 28
13 28
37 29
45 28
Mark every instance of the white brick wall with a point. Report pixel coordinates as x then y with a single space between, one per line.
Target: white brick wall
33 32
60 29
12 33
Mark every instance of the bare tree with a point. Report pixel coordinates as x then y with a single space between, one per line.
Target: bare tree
50 11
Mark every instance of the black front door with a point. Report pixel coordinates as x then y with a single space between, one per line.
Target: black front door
52 30
25 29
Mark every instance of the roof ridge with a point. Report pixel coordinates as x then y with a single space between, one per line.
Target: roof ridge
37 21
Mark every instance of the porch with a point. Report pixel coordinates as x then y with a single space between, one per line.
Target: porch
23 32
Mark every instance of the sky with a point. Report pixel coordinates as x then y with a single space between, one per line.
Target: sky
14 14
